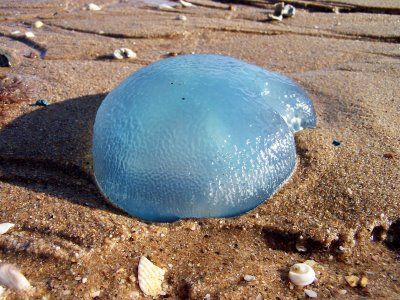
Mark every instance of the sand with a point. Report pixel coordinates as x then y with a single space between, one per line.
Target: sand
341 205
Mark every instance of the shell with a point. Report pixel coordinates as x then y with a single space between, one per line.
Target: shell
186 4
4 227
29 34
38 24
301 274
12 278
150 277
181 18
288 11
310 293
165 7
92 6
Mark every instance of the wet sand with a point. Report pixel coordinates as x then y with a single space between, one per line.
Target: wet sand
341 205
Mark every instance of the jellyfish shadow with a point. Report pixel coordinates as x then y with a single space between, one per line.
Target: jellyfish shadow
48 150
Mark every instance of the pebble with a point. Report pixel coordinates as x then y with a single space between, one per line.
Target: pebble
1 291
336 143
364 281
259 297
84 280
122 53
95 294
310 293
207 297
342 292
249 278
352 280
15 32
29 34
4 227
41 102
38 24
181 18
92 6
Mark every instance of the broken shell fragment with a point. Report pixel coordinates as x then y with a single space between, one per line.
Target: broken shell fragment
310 293
352 280
186 4
12 278
288 11
38 24
150 277
92 6
249 278
122 53
181 18
364 281
301 274
4 227
165 7
29 34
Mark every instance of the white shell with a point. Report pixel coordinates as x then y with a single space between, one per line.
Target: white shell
150 277
4 227
165 7
186 4
249 278
301 274
38 24
310 293
92 6
181 18
12 278
29 34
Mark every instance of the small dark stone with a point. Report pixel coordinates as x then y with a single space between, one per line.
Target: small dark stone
336 143
41 102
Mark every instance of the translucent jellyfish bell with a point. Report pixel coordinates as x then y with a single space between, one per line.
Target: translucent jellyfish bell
197 136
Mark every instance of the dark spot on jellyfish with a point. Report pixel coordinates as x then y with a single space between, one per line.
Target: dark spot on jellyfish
336 143
172 83
183 98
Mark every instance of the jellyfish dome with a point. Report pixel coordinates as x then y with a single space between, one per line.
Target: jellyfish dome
197 136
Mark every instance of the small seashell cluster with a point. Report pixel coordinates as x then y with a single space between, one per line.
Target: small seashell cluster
12 278
301 274
150 277
122 53
4 227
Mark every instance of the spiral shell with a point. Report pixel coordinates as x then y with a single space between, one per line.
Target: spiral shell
301 274
150 277
12 278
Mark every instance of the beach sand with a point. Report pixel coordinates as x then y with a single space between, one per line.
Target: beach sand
341 205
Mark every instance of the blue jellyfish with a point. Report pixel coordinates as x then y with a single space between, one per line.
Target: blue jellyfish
197 136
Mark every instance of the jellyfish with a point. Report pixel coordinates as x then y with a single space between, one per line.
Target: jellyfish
197 136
